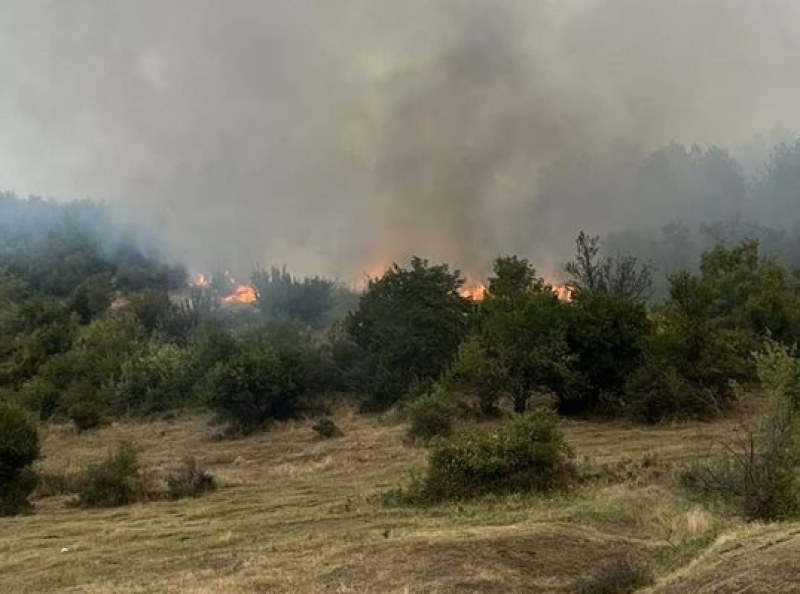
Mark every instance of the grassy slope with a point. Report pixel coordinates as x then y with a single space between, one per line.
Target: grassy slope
295 514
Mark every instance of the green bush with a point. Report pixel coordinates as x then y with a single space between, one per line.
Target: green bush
431 415
272 376
156 378
527 453
117 480
758 465
408 326
86 415
19 448
84 405
326 428
190 480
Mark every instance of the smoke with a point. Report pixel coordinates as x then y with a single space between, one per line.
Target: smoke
336 136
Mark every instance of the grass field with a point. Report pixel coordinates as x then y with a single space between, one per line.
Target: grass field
297 514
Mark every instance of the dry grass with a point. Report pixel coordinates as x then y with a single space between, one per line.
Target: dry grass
297 514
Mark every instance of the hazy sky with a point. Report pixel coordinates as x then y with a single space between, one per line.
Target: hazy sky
336 135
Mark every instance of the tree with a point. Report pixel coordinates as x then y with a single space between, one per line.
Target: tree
520 332
606 336
92 297
408 325
273 373
19 448
281 296
593 273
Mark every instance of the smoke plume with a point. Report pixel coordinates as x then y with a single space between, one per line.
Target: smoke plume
338 136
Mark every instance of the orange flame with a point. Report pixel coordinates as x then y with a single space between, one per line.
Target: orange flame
562 291
474 292
200 280
242 295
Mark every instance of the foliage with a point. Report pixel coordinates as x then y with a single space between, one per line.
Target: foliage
759 462
92 297
606 336
19 448
156 378
520 337
282 296
408 326
190 480
117 480
527 453
592 273
272 376
85 406
55 247
431 415
325 428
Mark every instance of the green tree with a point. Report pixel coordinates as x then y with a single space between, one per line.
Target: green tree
282 296
606 336
520 331
19 448
592 273
408 326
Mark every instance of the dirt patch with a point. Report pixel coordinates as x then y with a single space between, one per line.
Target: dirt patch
762 561
539 562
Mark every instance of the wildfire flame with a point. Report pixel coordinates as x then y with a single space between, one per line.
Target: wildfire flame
562 291
474 292
200 280
242 295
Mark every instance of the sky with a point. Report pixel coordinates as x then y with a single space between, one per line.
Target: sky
336 137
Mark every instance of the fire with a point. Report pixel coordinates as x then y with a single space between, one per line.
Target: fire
200 280
562 291
474 292
243 295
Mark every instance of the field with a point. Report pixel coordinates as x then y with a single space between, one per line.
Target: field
298 514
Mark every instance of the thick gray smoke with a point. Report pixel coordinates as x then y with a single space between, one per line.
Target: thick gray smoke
336 136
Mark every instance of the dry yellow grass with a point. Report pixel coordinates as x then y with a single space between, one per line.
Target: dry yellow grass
298 514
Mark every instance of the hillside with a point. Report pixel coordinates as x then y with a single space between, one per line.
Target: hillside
299 514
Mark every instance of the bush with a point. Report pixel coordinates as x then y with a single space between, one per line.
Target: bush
408 326
431 416
84 406
325 428
156 378
19 448
758 465
657 393
86 415
117 480
190 480
622 574
275 371
525 454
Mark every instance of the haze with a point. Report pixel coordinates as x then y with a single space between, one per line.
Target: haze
335 137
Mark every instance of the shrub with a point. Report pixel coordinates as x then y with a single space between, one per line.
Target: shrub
117 480
276 370
431 416
620 575
607 336
84 406
19 448
190 480
528 453
758 465
326 428
86 415
657 393
156 378
408 326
